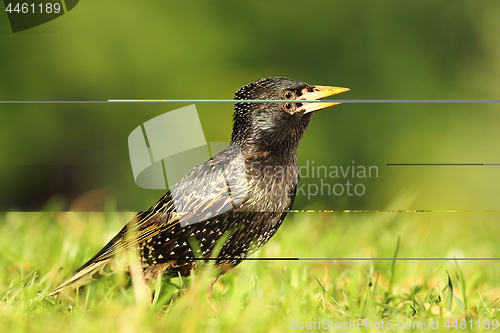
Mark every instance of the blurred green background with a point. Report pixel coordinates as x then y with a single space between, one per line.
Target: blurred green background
75 156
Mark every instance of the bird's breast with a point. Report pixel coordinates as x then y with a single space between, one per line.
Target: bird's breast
271 187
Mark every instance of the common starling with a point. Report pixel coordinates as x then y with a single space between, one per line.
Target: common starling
243 191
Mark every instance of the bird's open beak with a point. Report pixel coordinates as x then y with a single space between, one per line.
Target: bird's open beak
317 93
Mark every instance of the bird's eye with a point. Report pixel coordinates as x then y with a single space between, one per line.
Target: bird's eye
287 95
288 106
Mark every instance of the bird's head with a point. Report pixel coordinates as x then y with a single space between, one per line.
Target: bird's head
277 125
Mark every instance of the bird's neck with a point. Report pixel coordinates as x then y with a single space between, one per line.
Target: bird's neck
274 146
268 155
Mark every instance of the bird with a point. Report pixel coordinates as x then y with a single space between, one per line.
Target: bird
239 197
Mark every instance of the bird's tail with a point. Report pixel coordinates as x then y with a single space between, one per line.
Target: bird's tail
82 276
102 264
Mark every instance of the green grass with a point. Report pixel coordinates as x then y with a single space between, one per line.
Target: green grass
40 250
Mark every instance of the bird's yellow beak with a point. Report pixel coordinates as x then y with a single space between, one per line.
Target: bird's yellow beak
317 93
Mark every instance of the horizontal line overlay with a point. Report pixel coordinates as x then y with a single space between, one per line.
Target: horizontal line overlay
392 211
310 211
428 101
337 258
362 101
440 164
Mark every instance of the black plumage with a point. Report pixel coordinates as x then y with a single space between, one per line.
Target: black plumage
244 191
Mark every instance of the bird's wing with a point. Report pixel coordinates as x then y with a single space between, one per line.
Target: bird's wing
205 192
